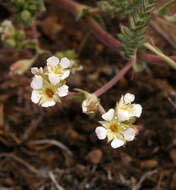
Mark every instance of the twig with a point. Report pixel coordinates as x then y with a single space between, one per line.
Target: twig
53 142
114 80
162 34
51 175
146 175
21 161
160 180
83 42
31 128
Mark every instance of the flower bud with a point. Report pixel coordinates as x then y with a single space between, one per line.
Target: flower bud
26 17
20 35
90 103
21 66
10 43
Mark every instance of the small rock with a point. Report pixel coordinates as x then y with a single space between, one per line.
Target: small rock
173 155
149 164
81 167
99 48
94 156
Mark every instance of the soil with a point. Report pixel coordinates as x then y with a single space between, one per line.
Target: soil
30 154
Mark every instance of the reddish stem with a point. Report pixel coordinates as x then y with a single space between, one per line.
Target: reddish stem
34 31
153 59
69 5
116 78
102 35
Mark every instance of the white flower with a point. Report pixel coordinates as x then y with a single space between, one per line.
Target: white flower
58 70
46 94
101 132
108 116
117 132
116 143
36 70
37 82
129 134
63 91
125 108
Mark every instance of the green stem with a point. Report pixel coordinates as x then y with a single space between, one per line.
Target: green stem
161 55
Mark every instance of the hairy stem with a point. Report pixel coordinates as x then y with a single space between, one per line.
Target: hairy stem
116 78
71 6
102 35
153 59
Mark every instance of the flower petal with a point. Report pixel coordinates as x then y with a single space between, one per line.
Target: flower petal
108 115
65 75
63 91
84 106
53 78
65 63
35 97
37 82
7 23
116 143
101 132
129 134
36 70
137 110
128 98
123 115
49 103
52 61
121 102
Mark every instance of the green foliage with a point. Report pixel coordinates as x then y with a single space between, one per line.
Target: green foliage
163 10
123 8
27 9
16 40
132 37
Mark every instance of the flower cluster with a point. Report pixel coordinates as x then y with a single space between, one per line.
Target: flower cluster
49 84
10 36
118 123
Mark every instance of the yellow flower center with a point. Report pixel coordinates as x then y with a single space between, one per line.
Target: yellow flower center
114 127
49 92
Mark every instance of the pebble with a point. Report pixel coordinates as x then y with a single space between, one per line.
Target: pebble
149 163
94 156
